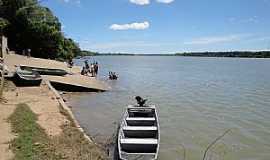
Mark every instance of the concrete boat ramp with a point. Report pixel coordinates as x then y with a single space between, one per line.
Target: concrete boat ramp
74 81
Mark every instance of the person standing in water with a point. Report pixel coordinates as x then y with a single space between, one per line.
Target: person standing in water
92 69
86 65
70 63
83 71
96 68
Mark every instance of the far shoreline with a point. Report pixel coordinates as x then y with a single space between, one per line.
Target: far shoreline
231 54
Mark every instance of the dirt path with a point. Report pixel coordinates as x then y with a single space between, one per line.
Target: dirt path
41 101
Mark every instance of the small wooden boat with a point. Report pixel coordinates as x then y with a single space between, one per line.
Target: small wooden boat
46 71
26 78
139 134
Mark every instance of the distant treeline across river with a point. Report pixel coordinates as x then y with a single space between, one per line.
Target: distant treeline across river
242 54
247 54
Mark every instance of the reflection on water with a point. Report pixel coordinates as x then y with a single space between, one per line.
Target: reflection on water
198 99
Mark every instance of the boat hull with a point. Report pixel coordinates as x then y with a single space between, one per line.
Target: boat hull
139 134
22 81
46 71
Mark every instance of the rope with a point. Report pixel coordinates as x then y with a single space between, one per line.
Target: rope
214 142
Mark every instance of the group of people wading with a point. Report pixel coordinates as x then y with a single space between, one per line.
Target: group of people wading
113 76
91 69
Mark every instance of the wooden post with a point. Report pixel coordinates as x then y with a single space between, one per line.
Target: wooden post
3 47
2 83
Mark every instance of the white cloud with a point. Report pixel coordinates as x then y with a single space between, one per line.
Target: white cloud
253 19
134 26
72 1
146 2
165 1
213 40
140 2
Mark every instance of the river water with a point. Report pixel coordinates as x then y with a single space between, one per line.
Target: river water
198 100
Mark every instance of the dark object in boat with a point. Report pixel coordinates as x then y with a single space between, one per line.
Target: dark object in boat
140 101
139 134
46 71
26 78
113 76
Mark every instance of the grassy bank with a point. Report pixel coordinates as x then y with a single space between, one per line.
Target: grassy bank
32 142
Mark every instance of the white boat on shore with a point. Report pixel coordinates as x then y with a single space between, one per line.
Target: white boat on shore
139 134
26 78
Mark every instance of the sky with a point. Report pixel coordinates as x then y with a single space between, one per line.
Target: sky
165 26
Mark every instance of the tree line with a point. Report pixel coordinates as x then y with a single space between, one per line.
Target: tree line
241 54
246 54
28 25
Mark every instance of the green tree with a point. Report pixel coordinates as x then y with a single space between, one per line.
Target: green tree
28 25
3 24
70 49
10 7
39 30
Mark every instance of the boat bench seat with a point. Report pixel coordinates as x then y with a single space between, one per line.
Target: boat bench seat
138 141
138 107
141 121
140 118
141 112
140 131
140 128
30 76
139 145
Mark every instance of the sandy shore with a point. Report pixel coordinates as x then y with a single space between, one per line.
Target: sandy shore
13 59
44 101
74 78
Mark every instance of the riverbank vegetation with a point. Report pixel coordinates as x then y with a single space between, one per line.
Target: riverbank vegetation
32 142
242 54
84 53
28 25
